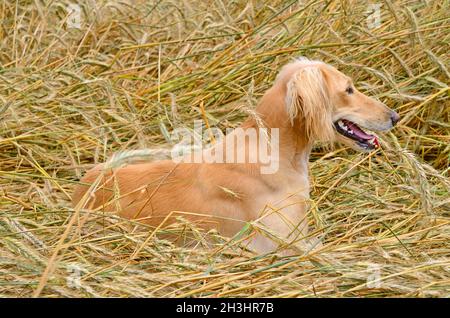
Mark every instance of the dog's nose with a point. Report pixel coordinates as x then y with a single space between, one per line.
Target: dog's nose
394 118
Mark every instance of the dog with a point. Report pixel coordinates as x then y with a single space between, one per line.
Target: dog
310 101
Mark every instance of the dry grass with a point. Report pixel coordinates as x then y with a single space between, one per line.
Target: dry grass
138 69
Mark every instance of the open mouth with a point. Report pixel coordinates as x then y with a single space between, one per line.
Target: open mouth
352 131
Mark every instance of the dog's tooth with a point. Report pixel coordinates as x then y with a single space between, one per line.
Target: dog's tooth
350 131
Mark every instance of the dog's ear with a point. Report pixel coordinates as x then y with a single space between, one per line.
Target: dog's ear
308 101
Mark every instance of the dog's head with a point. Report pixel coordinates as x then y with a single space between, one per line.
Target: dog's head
329 107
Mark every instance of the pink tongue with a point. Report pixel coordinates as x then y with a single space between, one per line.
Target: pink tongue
357 131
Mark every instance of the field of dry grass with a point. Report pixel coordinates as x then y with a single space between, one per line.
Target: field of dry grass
136 70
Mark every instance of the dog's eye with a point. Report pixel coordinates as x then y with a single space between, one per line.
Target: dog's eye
349 90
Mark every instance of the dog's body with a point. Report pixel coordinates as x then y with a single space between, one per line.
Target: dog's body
305 101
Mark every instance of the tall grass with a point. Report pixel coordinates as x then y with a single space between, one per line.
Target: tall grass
135 70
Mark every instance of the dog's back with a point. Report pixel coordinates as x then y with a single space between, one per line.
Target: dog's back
211 194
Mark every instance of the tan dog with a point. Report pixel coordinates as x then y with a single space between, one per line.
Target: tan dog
310 101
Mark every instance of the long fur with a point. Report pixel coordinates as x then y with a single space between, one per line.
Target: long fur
308 98
305 99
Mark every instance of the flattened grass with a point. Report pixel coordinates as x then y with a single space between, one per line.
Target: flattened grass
70 98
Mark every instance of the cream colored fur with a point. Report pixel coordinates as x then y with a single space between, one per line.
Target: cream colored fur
304 101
